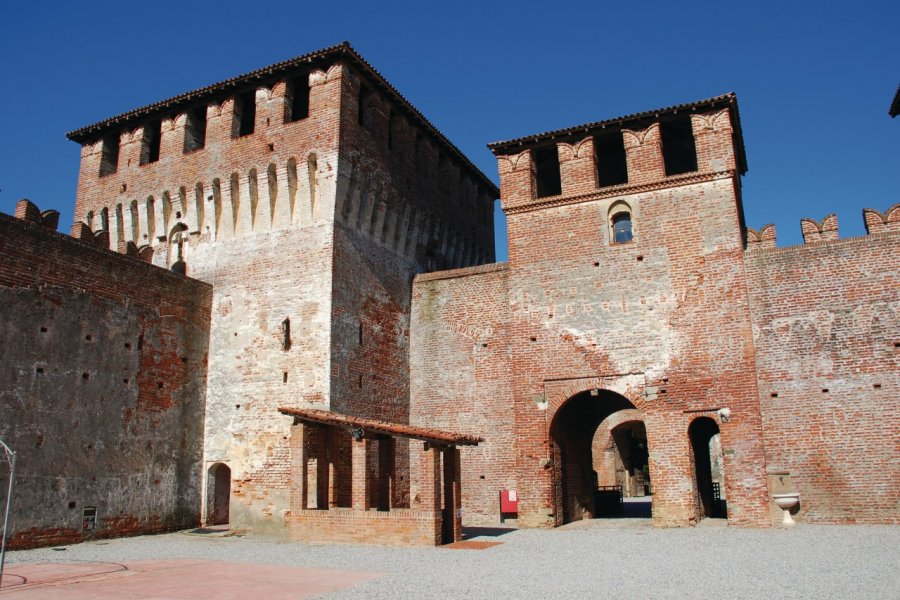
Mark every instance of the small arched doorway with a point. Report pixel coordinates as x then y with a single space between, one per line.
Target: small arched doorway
708 468
219 494
577 481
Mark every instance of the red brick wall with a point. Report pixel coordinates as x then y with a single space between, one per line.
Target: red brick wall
104 389
460 366
669 309
827 329
399 527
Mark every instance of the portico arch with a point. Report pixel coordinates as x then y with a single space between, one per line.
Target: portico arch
572 432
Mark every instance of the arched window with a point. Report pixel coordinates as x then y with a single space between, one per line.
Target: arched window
620 223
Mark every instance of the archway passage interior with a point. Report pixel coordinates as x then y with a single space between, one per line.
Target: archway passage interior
581 490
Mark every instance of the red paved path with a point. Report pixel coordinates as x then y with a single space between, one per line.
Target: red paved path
171 580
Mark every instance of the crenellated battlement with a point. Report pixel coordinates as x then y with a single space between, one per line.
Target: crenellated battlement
764 238
826 230
877 222
28 211
819 231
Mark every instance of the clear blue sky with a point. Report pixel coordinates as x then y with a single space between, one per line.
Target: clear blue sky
814 79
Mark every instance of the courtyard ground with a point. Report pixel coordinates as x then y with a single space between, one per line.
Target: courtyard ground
610 559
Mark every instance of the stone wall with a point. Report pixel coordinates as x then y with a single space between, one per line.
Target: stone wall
103 389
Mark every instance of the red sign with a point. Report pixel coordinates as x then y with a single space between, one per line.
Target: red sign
509 501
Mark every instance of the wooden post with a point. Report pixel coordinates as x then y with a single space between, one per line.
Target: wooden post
457 493
323 464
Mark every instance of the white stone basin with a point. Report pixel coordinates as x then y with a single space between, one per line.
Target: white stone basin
786 502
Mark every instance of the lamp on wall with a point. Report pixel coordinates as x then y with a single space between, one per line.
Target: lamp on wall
724 414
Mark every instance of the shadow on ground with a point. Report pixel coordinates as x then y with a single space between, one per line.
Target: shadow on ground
474 532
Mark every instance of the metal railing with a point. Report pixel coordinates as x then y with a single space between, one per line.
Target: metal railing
11 459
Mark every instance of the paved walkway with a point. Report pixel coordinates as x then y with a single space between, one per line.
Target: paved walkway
187 579
591 559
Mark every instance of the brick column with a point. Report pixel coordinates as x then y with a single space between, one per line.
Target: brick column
516 179
360 481
430 486
430 479
576 167
219 123
129 150
271 106
714 141
171 142
299 468
671 470
643 155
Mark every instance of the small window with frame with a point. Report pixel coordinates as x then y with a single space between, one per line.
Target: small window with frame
620 224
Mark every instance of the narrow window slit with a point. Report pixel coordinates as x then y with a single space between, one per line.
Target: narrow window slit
286 337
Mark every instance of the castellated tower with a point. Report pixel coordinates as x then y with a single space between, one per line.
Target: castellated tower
623 310
308 193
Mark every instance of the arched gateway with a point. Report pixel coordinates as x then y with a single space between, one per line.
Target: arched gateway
579 490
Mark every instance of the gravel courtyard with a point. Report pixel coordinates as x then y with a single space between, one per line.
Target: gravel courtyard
579 561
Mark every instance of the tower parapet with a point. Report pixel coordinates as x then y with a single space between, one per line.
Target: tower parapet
635 153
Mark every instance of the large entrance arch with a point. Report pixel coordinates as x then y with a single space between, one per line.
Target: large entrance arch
572 432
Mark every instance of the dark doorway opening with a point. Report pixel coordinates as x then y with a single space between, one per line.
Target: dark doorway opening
219 498
708 468
582 491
